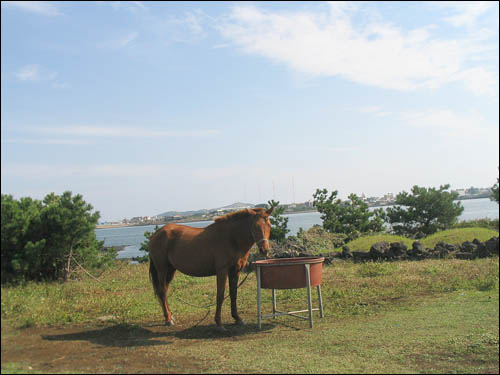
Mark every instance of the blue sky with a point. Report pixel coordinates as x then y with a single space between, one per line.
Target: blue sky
146 107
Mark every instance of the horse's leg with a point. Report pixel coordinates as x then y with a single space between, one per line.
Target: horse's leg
234 275
169 321
221 285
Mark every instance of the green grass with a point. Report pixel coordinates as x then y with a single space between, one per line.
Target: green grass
459 236
125 294
24 368
364 243
455 333
451 236
432 316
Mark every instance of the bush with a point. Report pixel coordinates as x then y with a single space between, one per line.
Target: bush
43 240
279 224
351 217
424 211
145 247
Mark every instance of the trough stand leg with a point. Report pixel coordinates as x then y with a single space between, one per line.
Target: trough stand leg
309 300
320 302
274 303
258 298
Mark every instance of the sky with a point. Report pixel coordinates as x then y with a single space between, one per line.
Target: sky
147 107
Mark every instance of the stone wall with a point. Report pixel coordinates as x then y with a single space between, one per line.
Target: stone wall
383 251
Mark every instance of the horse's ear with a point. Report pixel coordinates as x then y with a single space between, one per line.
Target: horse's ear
251 212
270 211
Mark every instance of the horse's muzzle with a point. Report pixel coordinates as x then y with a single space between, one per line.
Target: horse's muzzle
263 245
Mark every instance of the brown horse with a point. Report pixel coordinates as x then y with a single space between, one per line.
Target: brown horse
221 249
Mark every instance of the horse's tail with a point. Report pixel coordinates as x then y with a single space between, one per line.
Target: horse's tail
155 280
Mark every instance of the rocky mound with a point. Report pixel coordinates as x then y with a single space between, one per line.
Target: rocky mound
383 251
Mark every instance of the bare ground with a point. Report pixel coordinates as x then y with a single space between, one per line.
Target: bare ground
112 348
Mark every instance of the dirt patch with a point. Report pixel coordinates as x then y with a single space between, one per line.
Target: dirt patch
110 348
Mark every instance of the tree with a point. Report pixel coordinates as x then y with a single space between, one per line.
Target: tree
22 238
494 192
424 210
43 240
350 217
145 247
279 224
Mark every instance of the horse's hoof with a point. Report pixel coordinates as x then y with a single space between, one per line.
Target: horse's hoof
240 322
169 323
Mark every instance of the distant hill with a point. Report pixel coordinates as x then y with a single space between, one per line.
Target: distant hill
233 206
236 205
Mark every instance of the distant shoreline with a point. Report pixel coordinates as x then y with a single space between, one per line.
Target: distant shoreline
110 226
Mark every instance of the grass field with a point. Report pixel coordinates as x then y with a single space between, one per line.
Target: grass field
431 316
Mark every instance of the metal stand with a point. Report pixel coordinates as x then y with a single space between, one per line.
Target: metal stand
277 313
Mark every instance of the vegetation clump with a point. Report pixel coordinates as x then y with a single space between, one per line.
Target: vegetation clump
48 239
351 217
424 211
279 223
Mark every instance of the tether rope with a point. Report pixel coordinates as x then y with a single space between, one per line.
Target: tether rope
210 305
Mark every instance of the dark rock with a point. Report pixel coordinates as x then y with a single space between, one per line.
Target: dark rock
419 235
461 255
492 246
426 254
382 250
468 247
360 256
397 249
417 246
378 250
346 252
441 249
417 249
481 250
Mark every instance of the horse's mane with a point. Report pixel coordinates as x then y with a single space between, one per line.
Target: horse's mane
241 214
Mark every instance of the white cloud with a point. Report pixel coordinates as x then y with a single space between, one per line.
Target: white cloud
41 7
120 42
131 6
37 73
479 80
194 21
34 72
35 170
465 13
118 131
448 123
376 54
28 73
49 141
375 110
60 85
187 28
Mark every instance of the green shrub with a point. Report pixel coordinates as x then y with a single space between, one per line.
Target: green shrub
351 217
424 211
45 240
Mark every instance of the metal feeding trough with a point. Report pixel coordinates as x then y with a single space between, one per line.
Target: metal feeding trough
289 273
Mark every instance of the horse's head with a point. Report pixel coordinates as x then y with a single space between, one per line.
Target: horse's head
261 229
